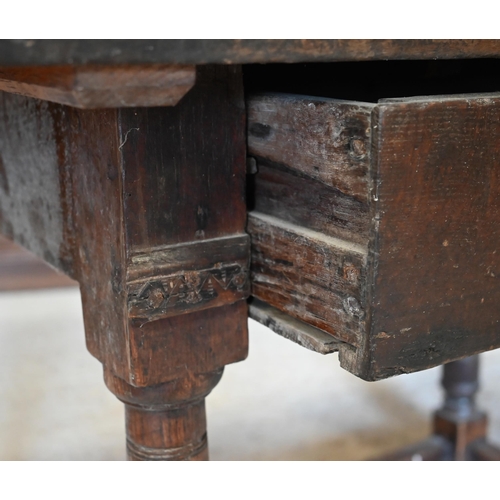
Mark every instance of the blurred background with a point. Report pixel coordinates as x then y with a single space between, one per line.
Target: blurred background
283 403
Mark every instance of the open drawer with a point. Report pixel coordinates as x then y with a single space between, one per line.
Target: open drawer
375 227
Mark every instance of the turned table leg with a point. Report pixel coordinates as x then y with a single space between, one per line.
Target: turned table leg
167 421
459 427
176 433
145 208
183 274
459 421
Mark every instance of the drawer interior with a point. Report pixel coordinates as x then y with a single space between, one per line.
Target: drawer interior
370 81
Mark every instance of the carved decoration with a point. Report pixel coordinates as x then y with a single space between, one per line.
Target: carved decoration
165 296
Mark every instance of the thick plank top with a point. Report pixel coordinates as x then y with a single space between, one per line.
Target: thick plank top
60 52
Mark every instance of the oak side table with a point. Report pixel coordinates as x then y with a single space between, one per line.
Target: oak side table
349 190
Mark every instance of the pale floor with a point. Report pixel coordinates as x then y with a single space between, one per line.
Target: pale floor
282 403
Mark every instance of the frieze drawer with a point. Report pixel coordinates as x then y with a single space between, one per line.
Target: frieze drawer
374 225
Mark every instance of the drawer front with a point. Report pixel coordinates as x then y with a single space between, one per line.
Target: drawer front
378 224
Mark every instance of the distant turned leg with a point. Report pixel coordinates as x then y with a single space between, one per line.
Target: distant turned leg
459 428
459 421
166 421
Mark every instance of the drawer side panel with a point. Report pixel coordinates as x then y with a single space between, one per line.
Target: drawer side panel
312 277
322 139
311 204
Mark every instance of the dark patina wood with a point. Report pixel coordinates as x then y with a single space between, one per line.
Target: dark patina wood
182 278
403 267
166 421
436 206
306 202
313 277
33 201
375 223
292 329
94 86
145 208
315 138
78 52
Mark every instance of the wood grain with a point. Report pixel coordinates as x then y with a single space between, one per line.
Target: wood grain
421 245
290 328
434 284
156 172
314 278
187 156
157 430
183 278
32 196
94 184
122 199
53 52
91 86
308 203
322 139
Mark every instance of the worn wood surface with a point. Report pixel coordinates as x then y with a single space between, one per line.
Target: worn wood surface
421 243
52 52
167 349
108 196
129 202
292 329
313 277
321 139
198 193
435 244
171 183
310 223
166 421
96 86
182 278
33 201
308 203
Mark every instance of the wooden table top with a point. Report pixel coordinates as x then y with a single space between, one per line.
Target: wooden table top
63 52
